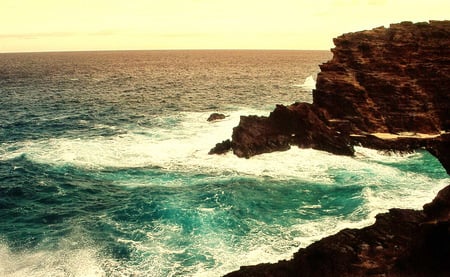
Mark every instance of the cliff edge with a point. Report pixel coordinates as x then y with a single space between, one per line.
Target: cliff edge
385 88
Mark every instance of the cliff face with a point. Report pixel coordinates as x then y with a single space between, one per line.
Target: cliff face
389 79
384 88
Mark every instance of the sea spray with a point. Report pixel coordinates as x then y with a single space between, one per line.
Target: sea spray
106 173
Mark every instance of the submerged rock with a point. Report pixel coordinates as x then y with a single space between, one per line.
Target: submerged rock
216 116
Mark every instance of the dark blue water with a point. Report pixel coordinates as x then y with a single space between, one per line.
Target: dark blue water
104 168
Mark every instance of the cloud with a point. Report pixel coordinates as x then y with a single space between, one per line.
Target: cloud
35 35
349 3
40 35
377 2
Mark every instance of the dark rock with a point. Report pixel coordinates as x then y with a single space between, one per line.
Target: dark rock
221 147
216 116
439 208
297 124
402 242
385 80
440 149
389 79
256 135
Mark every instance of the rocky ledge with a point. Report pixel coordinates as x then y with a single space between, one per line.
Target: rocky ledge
386 88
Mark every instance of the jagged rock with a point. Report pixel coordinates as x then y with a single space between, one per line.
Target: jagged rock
386 80
216 116
221 147
440 207
440 148
389 79
297 124
402 242
302 123
255 135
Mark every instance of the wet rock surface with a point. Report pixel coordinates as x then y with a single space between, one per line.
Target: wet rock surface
402 242
386 88
385 80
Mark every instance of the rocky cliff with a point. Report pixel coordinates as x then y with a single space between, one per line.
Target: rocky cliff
402 242
389 80
386 88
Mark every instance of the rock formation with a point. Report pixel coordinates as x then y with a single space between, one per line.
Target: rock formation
216 116
386 88
389 80
402 242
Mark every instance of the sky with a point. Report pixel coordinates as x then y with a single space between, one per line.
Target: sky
77 25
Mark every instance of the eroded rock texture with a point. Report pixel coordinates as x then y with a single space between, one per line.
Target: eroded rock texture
402 242
389 79
392 80
386 88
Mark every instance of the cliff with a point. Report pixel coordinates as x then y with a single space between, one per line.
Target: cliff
389 80
386 88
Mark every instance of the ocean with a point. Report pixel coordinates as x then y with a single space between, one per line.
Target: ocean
104 165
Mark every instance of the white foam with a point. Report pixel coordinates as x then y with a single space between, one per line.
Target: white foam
185 148
309 84
63 262
181 148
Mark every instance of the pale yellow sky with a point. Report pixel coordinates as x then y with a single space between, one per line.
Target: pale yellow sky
55 25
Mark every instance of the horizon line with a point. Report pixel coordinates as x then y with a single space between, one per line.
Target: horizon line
162 49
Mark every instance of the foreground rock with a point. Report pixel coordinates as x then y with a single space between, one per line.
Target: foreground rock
402 242
387 81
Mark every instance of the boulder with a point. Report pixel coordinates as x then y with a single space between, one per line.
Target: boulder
216 116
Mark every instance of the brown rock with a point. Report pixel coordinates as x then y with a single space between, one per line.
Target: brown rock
389 79
298 124
256 135
386 80
221 147
402 242
216 116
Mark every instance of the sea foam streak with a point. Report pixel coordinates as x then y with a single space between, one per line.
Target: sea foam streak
184 148
62 262
205 228
309 84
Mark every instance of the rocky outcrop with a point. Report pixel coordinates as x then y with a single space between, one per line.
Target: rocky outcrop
216 116
391 81
299 124
402 242
386 88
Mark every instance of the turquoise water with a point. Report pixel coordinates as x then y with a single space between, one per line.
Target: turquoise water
104 168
